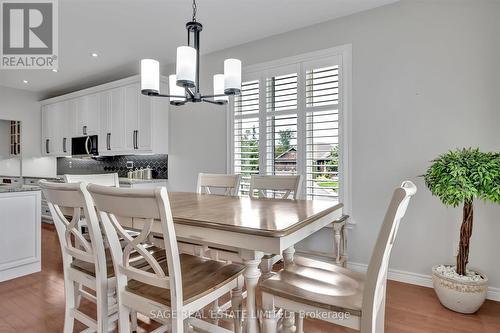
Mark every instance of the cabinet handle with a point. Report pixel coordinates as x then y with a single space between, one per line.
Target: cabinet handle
136 144
47 146
84 130
64 145
108 139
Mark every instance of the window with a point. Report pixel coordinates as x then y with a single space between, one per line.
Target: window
290 119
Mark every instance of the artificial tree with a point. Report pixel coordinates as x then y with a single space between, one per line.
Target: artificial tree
459 177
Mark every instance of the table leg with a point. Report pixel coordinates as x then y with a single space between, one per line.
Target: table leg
251 260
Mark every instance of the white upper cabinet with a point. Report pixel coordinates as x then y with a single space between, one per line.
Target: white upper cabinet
125 121
56 136
87 115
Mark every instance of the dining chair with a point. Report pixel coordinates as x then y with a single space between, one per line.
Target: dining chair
84 259
277 187
105 179
207 182
169 291
336 294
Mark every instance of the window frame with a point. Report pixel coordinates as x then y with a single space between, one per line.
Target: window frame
341 55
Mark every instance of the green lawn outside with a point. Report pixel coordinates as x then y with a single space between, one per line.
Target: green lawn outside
327 184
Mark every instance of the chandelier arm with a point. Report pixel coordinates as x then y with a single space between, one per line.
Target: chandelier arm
163 95
218 95
189 92
214 102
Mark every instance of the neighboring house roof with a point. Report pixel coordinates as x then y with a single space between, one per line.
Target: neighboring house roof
321 152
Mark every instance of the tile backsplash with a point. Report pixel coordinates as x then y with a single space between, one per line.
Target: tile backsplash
105 164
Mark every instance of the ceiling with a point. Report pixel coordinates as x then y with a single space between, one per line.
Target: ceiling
122 32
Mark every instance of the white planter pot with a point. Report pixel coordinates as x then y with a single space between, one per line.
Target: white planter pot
457 295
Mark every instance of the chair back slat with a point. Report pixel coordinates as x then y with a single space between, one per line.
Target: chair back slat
374 290
104 179
228 183
65 197
151 205
281 185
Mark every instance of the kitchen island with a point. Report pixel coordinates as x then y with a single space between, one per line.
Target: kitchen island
20 230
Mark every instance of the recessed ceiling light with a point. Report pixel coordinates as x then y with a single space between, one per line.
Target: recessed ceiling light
25 81
55 70
94 55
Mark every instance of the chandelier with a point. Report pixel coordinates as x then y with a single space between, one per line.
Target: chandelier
184 85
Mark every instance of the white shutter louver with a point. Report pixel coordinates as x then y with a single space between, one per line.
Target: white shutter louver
246 133
322 133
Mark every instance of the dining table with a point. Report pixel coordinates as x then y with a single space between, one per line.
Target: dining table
251 227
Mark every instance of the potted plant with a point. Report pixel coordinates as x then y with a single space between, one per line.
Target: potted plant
457 178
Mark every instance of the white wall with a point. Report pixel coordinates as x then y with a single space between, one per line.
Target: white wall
425 80
23 105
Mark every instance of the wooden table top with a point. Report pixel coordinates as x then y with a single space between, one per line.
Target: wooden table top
265 217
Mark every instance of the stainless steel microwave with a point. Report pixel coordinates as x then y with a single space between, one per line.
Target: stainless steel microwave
84 146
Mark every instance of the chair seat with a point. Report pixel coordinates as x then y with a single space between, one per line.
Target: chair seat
136 261
318 284
199 277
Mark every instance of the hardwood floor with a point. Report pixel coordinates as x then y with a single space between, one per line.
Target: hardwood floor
35 303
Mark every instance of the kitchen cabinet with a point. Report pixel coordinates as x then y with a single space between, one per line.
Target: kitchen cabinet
125 121
86 112
111 124
56 129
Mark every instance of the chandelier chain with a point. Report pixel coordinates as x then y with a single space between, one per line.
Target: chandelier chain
194 10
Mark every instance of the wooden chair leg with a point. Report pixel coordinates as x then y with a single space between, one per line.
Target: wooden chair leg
133 321
123 319
270 320
69 320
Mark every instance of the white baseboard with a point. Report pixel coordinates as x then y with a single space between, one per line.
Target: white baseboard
416 278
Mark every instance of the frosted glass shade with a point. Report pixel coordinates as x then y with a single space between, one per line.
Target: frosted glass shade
175 90
150 76
219 88
186 66
232 76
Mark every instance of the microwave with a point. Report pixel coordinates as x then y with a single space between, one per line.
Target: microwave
84 146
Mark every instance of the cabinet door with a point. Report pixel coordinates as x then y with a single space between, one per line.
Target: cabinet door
144 142
66 119
87 114
117 120
45 129
57 121
111 122
131 116
104 122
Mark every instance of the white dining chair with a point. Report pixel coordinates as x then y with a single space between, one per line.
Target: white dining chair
330 292
84 260
170 291
208 182
104 179
277 187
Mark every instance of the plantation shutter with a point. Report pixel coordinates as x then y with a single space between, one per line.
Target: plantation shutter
281 124
246 133
287 121
322 131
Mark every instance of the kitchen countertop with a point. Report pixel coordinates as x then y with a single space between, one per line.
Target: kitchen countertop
17 188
